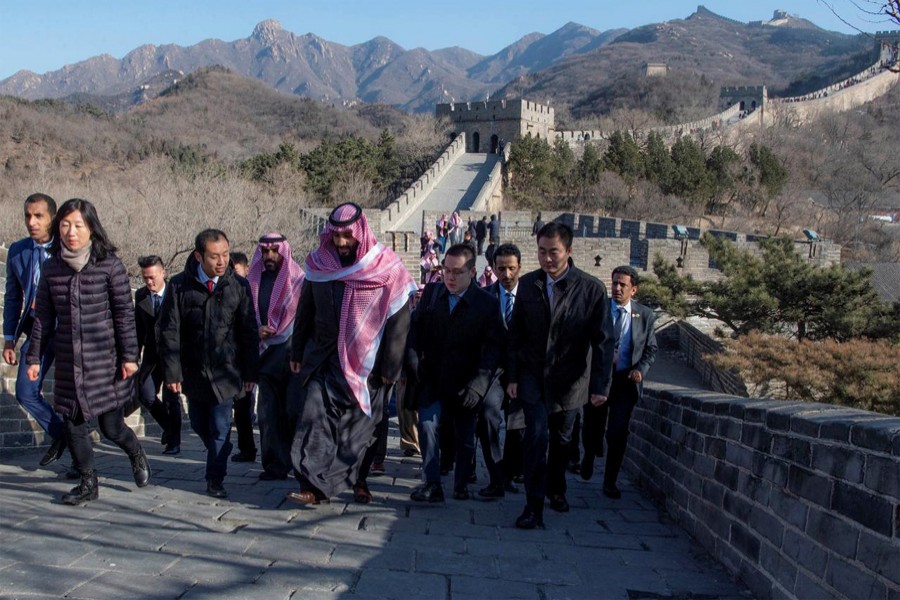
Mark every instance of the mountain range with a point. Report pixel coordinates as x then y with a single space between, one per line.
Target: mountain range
568 65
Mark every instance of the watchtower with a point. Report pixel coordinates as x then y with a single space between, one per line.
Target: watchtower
750 97
491 123
889 43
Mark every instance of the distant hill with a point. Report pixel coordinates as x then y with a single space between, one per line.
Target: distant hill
213 112
785 53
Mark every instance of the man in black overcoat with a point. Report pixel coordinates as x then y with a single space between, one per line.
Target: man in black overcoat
560 349
453 353
147 308
209 345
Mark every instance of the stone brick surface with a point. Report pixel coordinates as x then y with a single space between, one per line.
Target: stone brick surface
874 512
799 504
170 540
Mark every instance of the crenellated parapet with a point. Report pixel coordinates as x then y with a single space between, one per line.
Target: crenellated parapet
490 124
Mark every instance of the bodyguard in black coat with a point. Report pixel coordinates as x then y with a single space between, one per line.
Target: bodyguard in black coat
209 345
559 354
147 309
453 353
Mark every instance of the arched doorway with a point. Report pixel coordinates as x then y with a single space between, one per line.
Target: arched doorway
495 143
476 142
742 105
753 105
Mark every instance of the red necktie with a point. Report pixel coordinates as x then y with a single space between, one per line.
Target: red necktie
210 284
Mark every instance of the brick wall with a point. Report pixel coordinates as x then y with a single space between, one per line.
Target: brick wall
799 500
694 346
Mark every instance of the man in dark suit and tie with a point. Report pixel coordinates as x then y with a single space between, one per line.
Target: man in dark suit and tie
560 348
503 464
634 351
453 352
23 271
147 305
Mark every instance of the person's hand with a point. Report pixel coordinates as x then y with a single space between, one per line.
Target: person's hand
470 398
33 372
295 366
265 332
598 399
9 352
129 369
174 387
512 390
248 386
636 376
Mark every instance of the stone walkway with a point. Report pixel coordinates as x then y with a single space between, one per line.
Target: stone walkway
170 540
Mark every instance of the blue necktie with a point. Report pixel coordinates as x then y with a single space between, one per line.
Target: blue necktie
454 299
36 260
507 311
156 302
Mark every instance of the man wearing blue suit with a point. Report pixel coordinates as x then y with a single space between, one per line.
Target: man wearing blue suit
634 351
23 271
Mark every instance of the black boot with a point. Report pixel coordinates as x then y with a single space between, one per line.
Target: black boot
140 467
87 490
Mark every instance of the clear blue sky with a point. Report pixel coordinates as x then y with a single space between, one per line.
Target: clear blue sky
44 35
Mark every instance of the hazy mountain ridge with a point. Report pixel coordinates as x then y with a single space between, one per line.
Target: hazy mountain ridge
573 65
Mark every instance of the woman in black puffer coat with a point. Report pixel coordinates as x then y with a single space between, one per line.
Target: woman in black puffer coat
84 308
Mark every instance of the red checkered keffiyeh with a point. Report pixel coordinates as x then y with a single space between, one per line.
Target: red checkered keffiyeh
377 287
285 292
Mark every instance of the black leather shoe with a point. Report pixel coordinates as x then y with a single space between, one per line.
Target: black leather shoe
559 503
587 467
461 493
529 520
430 492
510 488
172 450
492 491
241 457
53 453
574 467
215 489
85 491
272 476
611 491
140 468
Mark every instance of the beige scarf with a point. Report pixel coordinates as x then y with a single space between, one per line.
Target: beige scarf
76 259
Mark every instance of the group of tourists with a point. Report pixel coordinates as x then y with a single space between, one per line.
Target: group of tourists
326 346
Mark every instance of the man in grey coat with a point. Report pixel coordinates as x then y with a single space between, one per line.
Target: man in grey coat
634 351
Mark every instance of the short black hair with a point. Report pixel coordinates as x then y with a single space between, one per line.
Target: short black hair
627 270
560 230
508 250
151 260
51 203
206 236
462 250
239 258
101 246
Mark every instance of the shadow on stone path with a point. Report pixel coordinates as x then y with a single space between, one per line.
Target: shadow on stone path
170 540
